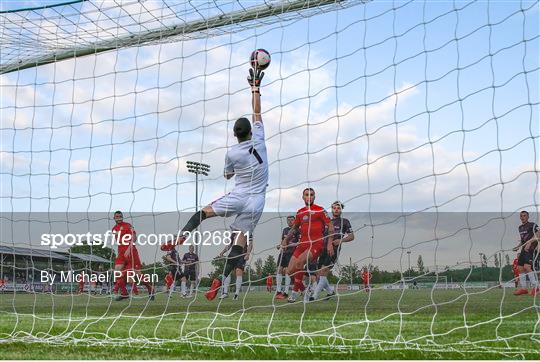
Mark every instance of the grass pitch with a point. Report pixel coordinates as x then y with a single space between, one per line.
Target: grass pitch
384 324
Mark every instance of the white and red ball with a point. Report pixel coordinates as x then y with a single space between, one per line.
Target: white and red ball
260 59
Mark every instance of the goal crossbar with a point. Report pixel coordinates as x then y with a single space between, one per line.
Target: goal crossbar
188 30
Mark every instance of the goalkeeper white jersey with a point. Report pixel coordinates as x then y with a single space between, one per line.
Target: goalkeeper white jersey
249 162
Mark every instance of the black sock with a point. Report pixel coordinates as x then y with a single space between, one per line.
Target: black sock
236 252
195 221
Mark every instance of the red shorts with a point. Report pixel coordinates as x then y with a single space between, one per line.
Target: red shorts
315 249
133 261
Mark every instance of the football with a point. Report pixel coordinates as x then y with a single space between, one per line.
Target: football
260 59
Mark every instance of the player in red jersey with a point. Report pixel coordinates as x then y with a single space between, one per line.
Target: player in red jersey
128 256
366 277
169 281
515 270
81 282
311 220
269 282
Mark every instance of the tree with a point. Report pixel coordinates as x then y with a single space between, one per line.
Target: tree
346 271
496 261
420 263
270 266
258 268
219 265
507 257
248 274
484 261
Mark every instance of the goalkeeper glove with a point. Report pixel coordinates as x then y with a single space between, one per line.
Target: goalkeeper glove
254 79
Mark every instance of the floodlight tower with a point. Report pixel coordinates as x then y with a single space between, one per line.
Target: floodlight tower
198 169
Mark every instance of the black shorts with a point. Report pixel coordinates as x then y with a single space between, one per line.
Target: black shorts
526 257
190 275
312 268
284 259
239 262
327 261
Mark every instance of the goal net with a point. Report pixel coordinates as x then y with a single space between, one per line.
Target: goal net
421 117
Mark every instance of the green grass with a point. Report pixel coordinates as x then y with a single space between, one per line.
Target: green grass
388 324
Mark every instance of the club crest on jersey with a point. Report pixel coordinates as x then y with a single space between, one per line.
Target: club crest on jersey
305 218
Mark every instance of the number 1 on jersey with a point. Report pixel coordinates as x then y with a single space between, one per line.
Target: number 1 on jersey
254 152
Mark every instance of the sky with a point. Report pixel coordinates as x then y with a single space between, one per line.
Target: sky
387 110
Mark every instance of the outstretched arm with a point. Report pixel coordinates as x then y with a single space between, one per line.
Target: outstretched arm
254 80
256 102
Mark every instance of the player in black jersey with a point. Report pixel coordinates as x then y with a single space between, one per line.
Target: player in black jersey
191 264
342 233
172 258
285 254
528 255
239 264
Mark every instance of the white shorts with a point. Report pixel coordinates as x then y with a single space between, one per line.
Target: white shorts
247 208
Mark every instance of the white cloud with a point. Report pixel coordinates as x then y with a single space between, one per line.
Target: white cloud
157 106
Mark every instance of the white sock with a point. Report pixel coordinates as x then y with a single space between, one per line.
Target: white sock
532 279
226 284
522 280
183 287
293 295
323 283
191 287
238 284
287 284
312 285
329 288
320 287
278 282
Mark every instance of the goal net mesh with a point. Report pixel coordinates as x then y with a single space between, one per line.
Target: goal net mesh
422 117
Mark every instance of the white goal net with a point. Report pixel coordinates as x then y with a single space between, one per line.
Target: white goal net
420 116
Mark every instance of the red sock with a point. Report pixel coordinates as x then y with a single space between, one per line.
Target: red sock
299 282
121 284
169 280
